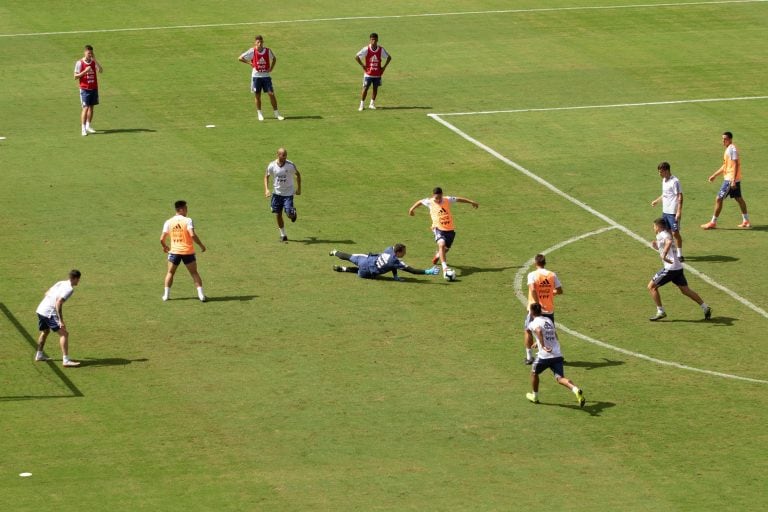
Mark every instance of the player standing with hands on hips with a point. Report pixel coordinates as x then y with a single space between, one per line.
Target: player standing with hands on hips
370 58
263 62
85 71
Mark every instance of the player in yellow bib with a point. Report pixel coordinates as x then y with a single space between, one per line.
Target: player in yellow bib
181 231
731 171
543 285
442 220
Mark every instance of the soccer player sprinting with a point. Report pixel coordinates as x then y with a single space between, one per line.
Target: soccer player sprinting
672 272
543 285
672 204
731 171
181 231
372 265
284 174
442 221
549 356
50 317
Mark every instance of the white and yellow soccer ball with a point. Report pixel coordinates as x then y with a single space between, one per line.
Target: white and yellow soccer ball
450 274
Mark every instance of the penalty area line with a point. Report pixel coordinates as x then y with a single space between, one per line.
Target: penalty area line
524 300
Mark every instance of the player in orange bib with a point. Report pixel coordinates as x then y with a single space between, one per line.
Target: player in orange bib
543 285
181 231
731 171
442 220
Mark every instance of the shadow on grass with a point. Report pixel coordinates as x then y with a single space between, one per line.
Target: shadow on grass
109 361
33 344
241 298
405 107
587 365
593 408
468 271
712 258
719 321
125 130
311 240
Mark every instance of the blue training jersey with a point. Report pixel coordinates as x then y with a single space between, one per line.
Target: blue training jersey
377 264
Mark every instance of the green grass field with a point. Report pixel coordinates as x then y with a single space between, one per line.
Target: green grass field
297 388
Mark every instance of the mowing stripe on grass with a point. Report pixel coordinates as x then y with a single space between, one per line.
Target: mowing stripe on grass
615 105
518 284
389 16
591 210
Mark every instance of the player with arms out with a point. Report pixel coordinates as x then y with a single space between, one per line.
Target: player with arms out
543 285
442 221
671 204
672 272
85 72
549 356
50 317
181 231
369 58
284 174
370 266
263 61
731 171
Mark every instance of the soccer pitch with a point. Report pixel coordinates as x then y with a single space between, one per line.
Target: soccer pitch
298 388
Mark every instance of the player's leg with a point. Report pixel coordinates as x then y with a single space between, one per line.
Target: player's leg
290 210
533 396
273 101
364 93
341 255
527 340
345 268
376 82
172 266
64 343
744 214
653 289
559 371
685 290
44 332
277 204
192 268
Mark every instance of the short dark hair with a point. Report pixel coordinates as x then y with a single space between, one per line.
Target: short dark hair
535 309
661 223
374 34
258 37
664 166
179 204
437 190
540 260
74 273
88 47
399 247
728 134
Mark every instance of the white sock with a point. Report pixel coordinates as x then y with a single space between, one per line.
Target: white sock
362 103
167 291
39 353
703 306
259 112
445 266
87 125
65 358
200 294
745 216
372 102
575 390
714 219
529 353
277 113
660 310
282 231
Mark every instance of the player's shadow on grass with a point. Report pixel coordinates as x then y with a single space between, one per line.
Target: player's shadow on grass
468 271
109 361
125 130
712 258
312 240
75 392
588 365
593 408
225 298
720 321
405 107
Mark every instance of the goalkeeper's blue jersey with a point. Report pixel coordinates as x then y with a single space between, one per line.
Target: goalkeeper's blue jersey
377 264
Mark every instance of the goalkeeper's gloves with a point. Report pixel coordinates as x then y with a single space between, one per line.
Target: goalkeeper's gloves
432 271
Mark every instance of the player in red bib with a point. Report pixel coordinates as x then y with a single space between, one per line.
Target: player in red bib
263 61
85 72
370 59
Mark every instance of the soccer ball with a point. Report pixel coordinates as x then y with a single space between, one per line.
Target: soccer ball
450 275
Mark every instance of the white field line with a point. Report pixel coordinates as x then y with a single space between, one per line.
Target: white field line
591 210
384 17
524 299
615 105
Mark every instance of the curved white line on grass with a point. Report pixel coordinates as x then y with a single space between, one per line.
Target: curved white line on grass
760 311
390 16
615 105
519 293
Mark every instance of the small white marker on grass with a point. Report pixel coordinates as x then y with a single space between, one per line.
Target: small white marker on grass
25 475
2 138
210 126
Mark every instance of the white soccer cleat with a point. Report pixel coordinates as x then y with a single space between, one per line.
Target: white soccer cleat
361 107
372 106
71 364
84 133
260 116
42 357
90 130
